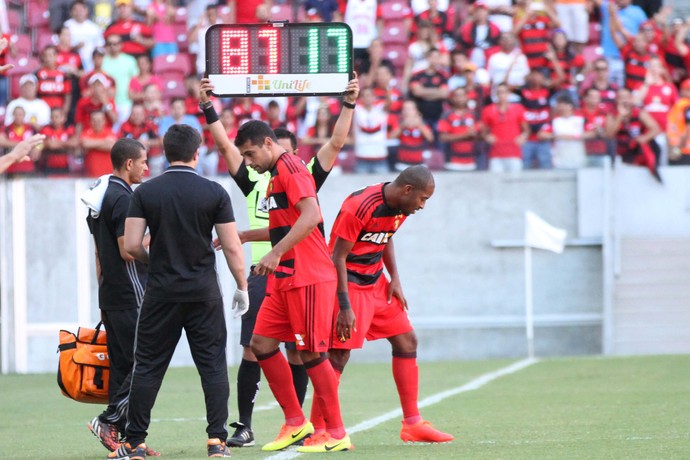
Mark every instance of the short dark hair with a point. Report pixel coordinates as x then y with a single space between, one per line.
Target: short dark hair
181 143
284 133
78 2
254 131
418 176
123 150
564 98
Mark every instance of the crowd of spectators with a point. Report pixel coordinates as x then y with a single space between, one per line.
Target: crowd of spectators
460 85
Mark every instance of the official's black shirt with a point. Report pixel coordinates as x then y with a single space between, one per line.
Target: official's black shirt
181 208
123 283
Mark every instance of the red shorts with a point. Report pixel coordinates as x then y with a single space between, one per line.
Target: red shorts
303 315
375 317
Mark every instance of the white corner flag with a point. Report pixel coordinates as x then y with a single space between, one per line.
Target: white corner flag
541 235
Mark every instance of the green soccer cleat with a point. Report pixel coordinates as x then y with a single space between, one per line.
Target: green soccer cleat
289 435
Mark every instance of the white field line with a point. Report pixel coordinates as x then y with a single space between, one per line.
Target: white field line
433 399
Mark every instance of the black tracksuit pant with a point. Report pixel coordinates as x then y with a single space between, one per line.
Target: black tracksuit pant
158 332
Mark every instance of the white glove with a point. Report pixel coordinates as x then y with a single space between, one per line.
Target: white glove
240 303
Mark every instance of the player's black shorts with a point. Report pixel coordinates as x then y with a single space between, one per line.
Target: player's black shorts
257 292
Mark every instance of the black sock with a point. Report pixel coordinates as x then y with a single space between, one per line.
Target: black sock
300 380
248 380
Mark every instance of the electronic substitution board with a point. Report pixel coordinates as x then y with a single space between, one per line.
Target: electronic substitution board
279 59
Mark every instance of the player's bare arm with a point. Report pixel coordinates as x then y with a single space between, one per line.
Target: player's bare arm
20 152
232 250
135 227
395 288
232 155
123 253
328 153
346 321
309 218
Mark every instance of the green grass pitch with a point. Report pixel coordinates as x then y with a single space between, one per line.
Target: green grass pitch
568 408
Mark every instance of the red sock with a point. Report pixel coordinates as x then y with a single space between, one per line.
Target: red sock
325 382
316 417
277 371
406 375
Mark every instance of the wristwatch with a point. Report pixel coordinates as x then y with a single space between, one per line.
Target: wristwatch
205 105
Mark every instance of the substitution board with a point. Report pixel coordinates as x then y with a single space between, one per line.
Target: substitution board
279 59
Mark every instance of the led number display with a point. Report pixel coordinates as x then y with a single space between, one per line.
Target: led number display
279 59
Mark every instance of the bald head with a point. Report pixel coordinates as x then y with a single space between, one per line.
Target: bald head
419 177
410 190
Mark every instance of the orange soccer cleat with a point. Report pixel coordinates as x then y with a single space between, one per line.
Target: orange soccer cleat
423 431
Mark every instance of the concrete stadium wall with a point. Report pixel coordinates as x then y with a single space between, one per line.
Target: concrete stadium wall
465 296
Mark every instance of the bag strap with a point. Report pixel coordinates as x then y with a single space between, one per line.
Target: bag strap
98 330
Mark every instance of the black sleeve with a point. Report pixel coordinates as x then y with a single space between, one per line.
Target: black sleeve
242 180
224 212
136 208
120 209
320 175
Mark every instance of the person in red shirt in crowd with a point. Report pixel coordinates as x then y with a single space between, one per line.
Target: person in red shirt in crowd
19 130
97 100
437 18
137 127
535 96
479 37
145 77
565 64
600 82
273 116
533 24
153 104
657 95
634 130
97 55
594 112
97 140
316 135
418 52
634 51
6 49
429 89
244 11
59 146
246 109
54 86
68 59
505 130
137 37
229 122
414 135
458 130
675 62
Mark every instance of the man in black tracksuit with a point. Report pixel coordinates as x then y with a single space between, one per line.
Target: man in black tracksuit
181 209
121 284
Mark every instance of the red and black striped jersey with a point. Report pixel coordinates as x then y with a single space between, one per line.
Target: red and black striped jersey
537 109
412 146
56 162
534 41
308 262
367 221
635 67
459 122
53 86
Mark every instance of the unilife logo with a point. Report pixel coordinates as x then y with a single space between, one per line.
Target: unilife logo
264 84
